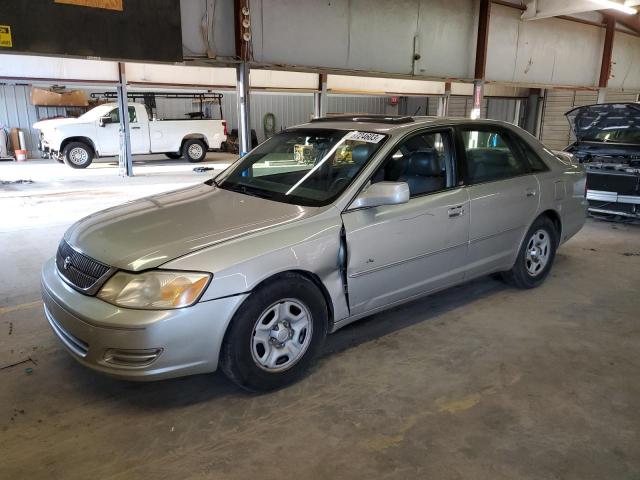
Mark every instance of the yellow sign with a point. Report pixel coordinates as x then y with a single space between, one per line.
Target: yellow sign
5 36
106 4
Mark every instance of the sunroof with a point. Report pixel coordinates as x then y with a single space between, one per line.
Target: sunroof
392 119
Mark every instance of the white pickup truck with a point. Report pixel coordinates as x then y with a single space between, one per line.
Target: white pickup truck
77 141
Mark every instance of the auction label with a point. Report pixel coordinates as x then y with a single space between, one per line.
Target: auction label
365 137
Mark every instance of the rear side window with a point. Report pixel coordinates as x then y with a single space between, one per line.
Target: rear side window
535 162
491 156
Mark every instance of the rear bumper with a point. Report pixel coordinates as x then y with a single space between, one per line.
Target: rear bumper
614 192
136 344
613 203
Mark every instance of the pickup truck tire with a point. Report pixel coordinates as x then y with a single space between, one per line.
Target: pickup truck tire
173 155
194 150
77 155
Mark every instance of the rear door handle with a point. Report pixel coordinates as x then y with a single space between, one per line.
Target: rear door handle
456 211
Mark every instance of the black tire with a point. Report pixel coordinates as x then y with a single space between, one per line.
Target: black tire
520 275
173 155
194 150
77 155
237 357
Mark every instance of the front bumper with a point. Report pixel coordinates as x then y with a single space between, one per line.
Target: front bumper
136 344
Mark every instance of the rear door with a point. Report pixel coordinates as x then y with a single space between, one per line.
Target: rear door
399 251
503 194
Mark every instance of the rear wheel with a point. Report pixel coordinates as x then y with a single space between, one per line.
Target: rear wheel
173 155
535 257
77 155
194 150
275 335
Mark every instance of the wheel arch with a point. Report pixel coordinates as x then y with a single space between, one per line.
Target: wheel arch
309 276
556 219
194 136
85 140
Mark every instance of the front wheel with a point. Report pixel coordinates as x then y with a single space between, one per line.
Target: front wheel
77 155
195 150
275 335
535 257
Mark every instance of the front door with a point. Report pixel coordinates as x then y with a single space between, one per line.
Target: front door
109 135
396 252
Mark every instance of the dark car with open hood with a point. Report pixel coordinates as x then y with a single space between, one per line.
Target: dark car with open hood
608 145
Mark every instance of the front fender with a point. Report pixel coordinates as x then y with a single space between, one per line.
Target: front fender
238 266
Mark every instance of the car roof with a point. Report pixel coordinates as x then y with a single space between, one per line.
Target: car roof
394 125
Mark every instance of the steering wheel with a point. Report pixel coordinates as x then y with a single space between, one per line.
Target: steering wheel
337 183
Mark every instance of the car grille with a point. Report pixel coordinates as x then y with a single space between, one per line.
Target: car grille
80 271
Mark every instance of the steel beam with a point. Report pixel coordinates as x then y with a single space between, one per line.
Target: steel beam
125 161
607 51
478 96
483 39
243 53
242 94
538 9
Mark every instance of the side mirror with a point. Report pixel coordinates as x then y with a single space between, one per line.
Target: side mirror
102 121
382 193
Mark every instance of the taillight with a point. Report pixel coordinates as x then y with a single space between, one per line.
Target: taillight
224 126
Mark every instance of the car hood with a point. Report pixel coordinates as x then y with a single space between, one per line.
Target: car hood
55 122
588 121
154 230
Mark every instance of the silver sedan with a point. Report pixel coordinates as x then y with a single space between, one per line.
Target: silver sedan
319 226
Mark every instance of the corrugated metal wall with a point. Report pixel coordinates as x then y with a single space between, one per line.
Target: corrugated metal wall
427 105
292 109
460 106
16 111
356 104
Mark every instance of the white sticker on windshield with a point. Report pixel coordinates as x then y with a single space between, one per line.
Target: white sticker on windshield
364 137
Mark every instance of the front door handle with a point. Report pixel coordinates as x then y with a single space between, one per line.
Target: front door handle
135 128
531 192
456 211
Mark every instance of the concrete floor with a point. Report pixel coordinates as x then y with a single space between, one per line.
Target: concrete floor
478 382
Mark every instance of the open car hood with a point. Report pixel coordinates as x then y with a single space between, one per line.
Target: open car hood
606 123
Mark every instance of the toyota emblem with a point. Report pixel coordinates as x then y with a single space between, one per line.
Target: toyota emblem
67 262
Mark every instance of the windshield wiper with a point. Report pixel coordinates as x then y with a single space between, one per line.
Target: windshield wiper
249 191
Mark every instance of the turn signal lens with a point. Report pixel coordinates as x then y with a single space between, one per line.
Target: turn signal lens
156 289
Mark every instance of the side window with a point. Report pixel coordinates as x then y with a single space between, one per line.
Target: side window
424 161
132 115
535 162
490 156
115 116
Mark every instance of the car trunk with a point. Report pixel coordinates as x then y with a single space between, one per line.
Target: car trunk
608 145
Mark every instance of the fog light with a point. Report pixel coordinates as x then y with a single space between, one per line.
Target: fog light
132 358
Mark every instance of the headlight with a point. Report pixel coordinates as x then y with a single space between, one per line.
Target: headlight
156 289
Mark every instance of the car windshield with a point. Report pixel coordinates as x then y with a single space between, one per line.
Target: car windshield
97 112
309 167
